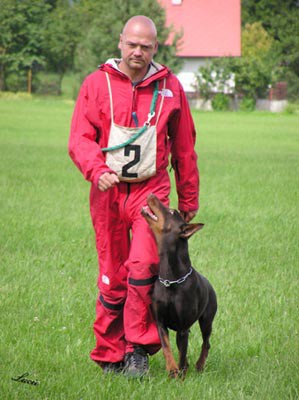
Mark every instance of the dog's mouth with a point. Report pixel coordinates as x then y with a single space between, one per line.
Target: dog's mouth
147 212
155 211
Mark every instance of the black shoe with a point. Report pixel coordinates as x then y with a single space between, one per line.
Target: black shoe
136 363
110 367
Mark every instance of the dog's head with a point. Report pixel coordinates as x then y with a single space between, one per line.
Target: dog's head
167 224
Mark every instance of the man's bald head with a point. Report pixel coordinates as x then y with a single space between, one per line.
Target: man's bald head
140 22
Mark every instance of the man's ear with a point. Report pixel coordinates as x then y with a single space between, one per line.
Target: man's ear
189 229
120 41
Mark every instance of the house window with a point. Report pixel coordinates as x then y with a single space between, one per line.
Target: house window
176 2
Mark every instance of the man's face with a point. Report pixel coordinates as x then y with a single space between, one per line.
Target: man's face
138 45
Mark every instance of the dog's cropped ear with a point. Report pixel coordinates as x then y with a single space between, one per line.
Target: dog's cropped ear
189 229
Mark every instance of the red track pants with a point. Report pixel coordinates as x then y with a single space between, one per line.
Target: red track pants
128 263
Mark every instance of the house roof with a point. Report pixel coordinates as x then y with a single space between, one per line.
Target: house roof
211 28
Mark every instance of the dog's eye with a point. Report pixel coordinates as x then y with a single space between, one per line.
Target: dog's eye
171 210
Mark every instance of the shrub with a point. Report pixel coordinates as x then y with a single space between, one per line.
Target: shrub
220 102
15 96
247 104
293 86
292 108
47 84
16 82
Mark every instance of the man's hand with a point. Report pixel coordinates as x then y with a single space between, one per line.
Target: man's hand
188 215
107 181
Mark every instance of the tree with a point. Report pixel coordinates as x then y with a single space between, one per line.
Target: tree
21 35
62 34
280 19
254 70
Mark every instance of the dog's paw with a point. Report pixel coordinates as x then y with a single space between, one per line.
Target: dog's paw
200 367
174 373
183 372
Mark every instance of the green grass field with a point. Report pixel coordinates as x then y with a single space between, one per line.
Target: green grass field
248 249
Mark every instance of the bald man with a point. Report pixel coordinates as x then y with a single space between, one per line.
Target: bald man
130 115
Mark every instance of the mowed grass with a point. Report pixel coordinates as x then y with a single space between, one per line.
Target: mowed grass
248 249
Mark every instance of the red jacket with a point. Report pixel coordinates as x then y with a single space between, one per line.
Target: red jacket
175 131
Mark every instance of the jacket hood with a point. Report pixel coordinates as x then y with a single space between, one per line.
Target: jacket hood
156 70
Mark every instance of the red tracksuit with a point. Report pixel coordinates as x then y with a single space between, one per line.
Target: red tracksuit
127 252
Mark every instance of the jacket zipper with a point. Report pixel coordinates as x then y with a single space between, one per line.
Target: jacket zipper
134 113
127 196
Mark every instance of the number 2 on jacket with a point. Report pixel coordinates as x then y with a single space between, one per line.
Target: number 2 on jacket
131 148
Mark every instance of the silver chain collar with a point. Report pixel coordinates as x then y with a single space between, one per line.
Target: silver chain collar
168 283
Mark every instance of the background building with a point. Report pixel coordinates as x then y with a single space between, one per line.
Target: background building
210 29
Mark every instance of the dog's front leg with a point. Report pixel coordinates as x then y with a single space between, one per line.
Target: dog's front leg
206 329
171 365
182 344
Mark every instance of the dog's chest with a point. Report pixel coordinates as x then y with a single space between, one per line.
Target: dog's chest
175 309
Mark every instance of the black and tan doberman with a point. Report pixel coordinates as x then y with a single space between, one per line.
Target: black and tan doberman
181 295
